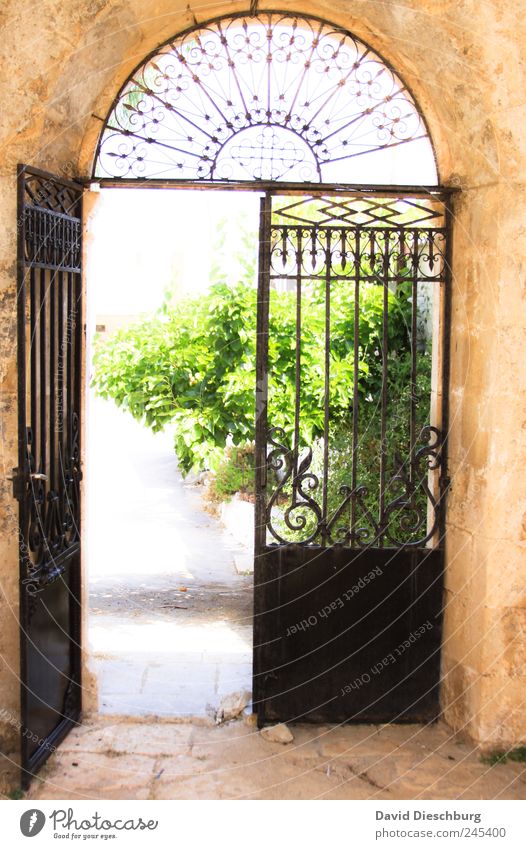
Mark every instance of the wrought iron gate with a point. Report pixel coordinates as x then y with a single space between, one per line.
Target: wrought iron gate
350 502
47 480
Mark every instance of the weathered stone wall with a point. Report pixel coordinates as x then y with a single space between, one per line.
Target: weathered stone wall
63 62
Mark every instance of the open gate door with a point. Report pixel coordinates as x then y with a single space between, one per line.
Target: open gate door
350 457
47 480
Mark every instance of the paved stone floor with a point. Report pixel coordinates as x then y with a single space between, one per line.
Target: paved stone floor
125 759
164 650
170 628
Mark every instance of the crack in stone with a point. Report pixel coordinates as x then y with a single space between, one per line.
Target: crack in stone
364 776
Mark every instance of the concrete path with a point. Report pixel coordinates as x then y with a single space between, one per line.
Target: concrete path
167 760
170 618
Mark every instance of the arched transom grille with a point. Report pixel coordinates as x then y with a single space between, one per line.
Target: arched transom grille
270 97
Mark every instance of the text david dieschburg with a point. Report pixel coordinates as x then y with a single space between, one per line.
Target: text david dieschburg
457 816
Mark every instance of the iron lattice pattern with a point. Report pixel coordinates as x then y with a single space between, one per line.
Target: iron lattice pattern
260 98
363 276
360 212
52 323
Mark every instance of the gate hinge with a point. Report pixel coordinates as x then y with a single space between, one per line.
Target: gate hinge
18 484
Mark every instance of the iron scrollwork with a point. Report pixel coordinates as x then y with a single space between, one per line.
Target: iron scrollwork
268 96
50 473
405 517
47 478
403 522
52 238
53 520
283 461
330 254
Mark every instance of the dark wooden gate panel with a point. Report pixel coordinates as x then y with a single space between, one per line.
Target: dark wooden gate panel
47 480
349 571
346 634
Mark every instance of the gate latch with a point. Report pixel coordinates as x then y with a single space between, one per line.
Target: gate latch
18 484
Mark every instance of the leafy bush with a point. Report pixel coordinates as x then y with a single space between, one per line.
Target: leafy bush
193 364
235 474
369 450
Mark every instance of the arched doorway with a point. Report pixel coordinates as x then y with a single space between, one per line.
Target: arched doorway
302 111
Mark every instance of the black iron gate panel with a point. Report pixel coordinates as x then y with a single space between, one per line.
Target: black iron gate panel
47 480
350 457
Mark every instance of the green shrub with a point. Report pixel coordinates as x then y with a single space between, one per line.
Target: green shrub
194 364
501 756
235 474
369 449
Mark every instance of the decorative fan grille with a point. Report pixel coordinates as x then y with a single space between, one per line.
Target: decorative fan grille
270 97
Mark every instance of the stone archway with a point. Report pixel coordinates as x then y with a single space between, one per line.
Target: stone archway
269 99
464 104
274 101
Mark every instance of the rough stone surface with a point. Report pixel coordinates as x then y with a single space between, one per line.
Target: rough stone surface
61 66
232 705
165 760
277 734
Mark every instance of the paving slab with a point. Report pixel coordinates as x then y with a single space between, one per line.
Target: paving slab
89 775
162 759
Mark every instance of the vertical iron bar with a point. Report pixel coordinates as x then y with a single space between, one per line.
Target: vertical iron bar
260 457
77 337
262 373
33 392
355 411
23 471
413 387
43 386
385 329
326 397
52 381
68 420
446 366
269 79
297 376
61 353
77 347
